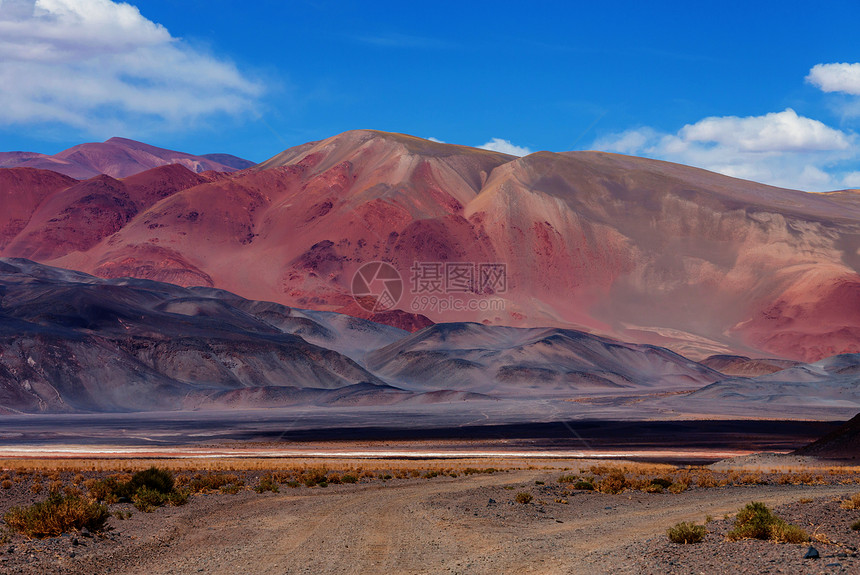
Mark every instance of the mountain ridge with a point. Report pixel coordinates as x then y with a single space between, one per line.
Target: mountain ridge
632 248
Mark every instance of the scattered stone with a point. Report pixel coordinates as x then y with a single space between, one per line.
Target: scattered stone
74 541
491 501
85 532
71 553
812 553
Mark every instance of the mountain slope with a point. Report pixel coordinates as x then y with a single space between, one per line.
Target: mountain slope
71 342
636 249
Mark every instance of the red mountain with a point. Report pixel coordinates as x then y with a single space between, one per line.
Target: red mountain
642 250
119 158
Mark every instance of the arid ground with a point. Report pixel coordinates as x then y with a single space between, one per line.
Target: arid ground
457 515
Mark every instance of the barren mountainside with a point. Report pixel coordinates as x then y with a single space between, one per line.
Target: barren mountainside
640 250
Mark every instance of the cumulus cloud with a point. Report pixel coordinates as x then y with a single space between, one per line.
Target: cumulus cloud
505 147
99 65
437 140
781 149
841 77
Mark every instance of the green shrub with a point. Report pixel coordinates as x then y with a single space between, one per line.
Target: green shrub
153 479
584 485
58 514
523 497
146 499
568 479
782 532
685 533
756 521
664 483
348 478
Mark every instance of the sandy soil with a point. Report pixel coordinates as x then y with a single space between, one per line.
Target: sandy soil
449 525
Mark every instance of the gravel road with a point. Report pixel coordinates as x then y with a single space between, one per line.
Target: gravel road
447 525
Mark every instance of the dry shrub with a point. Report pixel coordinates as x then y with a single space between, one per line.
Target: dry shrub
615 482
523 497
706 480
852 502
36 487
314 476
57 515
686 533
752 479
6 484
267 483
678 487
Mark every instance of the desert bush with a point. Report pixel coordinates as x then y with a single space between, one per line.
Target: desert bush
145 499
78 479
313 476
155 479
678 487
686 533
756 521
214 481
852 502
348 478
267 483
57 515
706 480
36 487
653 488
523 497
6 484
752 479
615 482
856 525
568 479
661 482
583 485
430 475
782 532
473 470
233 488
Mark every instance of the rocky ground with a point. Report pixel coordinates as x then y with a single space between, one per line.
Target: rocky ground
443 524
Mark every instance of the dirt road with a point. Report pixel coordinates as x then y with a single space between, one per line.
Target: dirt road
445 525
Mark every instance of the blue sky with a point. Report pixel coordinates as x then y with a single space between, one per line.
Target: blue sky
748 89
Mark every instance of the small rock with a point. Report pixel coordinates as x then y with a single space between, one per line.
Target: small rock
11 549
85 532
71 553
74 540
491 501
812 553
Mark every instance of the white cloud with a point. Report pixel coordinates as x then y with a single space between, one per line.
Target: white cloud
99 65
437 140
781 149
505 147
842 77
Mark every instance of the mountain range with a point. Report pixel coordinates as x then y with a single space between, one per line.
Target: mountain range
118 158
633 249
